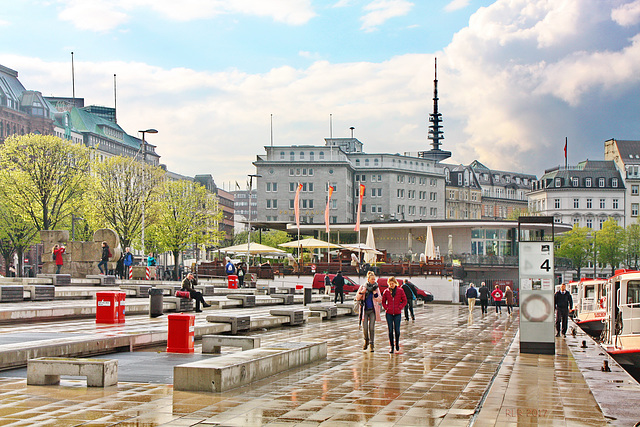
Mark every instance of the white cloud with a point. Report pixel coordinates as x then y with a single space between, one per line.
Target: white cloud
342 3
103 15
627 14
380 11
456 5
4 23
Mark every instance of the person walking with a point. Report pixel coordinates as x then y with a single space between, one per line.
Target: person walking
57 252
508 299
370 298
189 284
563 304
127 261
497 299
483 293
472 294
241 272
408 291
393 301
338 283
327 284
229 268
120 267
106 254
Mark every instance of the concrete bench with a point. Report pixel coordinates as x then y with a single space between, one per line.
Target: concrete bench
57 279
274 290
238 323
141 291
223 373
296 316
207 290
169 290
47 370
330 311
41 292
247 300
287 299
349 306
181 304
11 293
103 280
211 344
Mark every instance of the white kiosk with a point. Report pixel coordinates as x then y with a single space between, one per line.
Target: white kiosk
536 285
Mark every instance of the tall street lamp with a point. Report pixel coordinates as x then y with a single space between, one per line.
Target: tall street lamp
251 176
144 161
593 234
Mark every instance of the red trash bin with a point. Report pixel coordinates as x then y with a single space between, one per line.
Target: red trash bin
107 307
120 297
233 281
181 333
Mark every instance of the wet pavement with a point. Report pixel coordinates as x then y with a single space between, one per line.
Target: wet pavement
452 370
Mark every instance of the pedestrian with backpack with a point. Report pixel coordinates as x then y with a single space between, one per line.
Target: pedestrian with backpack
106 254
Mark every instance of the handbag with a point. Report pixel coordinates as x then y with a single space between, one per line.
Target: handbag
183 294
356 306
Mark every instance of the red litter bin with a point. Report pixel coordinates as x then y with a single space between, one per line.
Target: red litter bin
107 307
233 281
181 333
120 297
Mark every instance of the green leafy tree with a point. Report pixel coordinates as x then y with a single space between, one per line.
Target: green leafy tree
610 243
121 189
575 246
16 235
43 177
632 245
187 213
518 212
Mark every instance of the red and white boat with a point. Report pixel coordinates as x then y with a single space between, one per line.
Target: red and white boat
590 303
621 337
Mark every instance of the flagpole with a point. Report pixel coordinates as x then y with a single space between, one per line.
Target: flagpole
566 141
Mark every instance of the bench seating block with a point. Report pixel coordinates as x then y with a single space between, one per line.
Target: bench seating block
219 374
47 370
238 323
11 293
296 316
211 344
247 300
41 292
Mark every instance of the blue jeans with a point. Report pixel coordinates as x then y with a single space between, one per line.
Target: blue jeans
393 322
100 264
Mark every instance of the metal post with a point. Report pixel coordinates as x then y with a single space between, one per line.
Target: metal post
251 176
144 162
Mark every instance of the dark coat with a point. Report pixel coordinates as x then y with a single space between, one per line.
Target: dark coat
189 285
563 302
484 293
338 282
472 292
105 253
408 292
508 295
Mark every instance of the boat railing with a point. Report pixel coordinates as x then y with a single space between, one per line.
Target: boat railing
630 318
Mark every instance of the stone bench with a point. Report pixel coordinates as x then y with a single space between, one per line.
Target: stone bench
103 280
169 290
349 306
247 300
330 311
211 344
207 290
287 299
223 373
41 292
57 279
274 290
296 316
47 370
141 291
11 293
238 323
181 304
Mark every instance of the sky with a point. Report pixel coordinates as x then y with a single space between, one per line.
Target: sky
222 79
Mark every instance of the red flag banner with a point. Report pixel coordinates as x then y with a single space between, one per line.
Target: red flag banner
359 208
326 211
297 205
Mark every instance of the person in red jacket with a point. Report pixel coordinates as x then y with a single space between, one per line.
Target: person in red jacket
57 252
497 299
393 301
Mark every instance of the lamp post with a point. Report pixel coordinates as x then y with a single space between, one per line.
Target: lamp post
593 243
251 176
144 161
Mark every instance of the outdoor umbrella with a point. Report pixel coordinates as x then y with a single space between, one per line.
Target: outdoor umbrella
256 248
429 247
360 247
370 256
309 243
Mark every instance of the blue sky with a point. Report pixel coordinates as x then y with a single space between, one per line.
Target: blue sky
516 76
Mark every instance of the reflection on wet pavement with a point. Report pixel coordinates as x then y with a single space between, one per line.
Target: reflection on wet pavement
446 363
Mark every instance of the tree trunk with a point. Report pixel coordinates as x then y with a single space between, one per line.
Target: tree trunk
19 270
176 269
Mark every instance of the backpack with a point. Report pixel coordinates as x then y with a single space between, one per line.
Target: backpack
53 256
230 268
110 255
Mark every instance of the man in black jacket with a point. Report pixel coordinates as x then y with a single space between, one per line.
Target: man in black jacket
563 304
338 283
483 292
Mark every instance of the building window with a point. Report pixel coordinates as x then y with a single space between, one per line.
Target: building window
601 222
615 203
312 156
587 182
589 203
634 190
634 209
614 182
576 203
601 182
291 173
321 155
589 223
282 155
366 162
558 182
602 203
556 203
574 182
292 203
576 222
292 156
557 219
302 155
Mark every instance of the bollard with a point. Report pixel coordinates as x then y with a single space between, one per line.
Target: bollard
130 272
181 333
148 274
307 295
